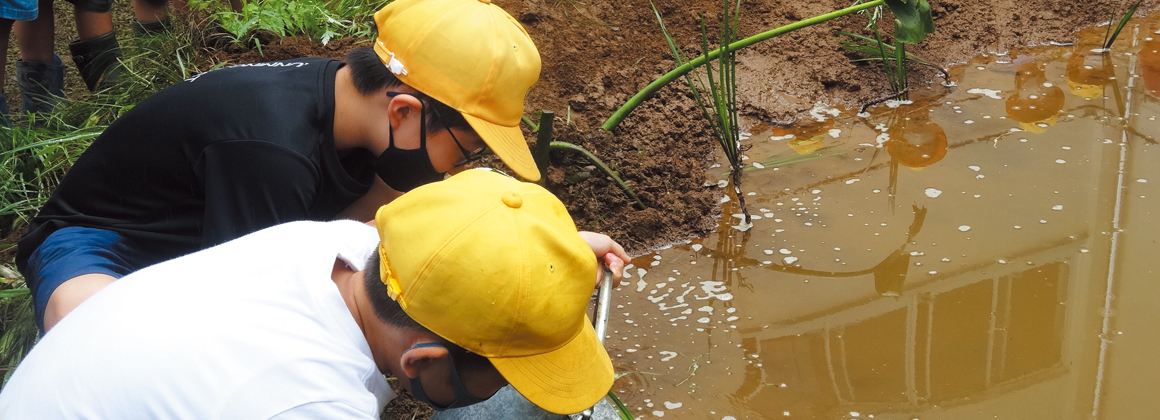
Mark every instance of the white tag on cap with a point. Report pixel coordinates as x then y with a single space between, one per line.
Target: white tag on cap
396 66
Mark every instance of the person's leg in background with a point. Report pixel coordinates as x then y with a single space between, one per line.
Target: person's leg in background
39 74
96 53
5 30
152 17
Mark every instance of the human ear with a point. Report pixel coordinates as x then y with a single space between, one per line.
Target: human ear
401 108
417 359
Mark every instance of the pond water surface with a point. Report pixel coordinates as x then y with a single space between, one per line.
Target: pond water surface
988 251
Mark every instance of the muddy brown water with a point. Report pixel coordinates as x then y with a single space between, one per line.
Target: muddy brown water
988 251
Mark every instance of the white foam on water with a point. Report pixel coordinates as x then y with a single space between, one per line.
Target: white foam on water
784 251
1057 207
852 180
835 132
974 168
882 138
668 355
758 165
673 405
990 93
697 247
779 138
790 260
933 192
964 228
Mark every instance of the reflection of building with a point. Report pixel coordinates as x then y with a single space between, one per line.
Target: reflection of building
1088 72
1036 102
943 344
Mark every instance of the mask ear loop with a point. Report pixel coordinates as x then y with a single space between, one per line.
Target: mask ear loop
422 124
456 384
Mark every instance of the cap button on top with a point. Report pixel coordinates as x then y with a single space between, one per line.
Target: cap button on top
512 199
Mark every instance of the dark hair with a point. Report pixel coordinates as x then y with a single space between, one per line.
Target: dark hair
370 76
390 312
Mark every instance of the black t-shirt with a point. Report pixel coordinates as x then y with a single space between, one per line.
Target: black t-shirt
212 158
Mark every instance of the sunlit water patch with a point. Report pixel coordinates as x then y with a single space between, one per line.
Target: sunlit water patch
983 252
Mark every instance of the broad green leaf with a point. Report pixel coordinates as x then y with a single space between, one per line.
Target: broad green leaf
912 20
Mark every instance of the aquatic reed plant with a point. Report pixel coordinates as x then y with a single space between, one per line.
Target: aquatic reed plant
688 66
716 95
1109 36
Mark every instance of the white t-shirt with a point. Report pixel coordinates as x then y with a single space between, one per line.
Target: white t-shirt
252 329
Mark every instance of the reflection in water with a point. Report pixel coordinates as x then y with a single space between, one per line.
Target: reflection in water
1088 72
1036 102
1150 61
889 274
937 348
808 137
1026 256
915 141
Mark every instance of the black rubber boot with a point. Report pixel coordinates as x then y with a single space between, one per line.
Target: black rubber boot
98 60
41 85
4 122
149 29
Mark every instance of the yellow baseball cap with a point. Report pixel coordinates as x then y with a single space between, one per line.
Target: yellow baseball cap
472 56
496 266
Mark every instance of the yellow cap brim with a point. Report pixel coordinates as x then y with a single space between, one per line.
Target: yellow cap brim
509 144
565 381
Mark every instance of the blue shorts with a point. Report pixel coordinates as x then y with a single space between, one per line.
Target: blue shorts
75 251
18 9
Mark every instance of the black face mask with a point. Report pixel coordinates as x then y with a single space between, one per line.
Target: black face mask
462 397
405 170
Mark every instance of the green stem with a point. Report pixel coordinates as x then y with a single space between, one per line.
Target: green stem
900 54
657 84
569 147
543 143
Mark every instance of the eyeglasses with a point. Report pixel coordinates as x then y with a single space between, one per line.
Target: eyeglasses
468 156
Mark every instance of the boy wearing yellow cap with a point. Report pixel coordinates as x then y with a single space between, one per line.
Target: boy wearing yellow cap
235 150
467 285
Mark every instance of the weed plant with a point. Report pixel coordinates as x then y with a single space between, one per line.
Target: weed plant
716 95
319 20
1110 37
912 22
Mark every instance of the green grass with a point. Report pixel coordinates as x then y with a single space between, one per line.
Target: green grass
319 20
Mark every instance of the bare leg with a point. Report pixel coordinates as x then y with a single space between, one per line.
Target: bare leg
91 24
36 36
149 11
71 294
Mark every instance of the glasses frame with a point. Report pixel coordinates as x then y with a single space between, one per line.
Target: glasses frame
468 156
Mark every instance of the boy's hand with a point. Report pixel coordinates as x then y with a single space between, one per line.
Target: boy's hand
611 252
